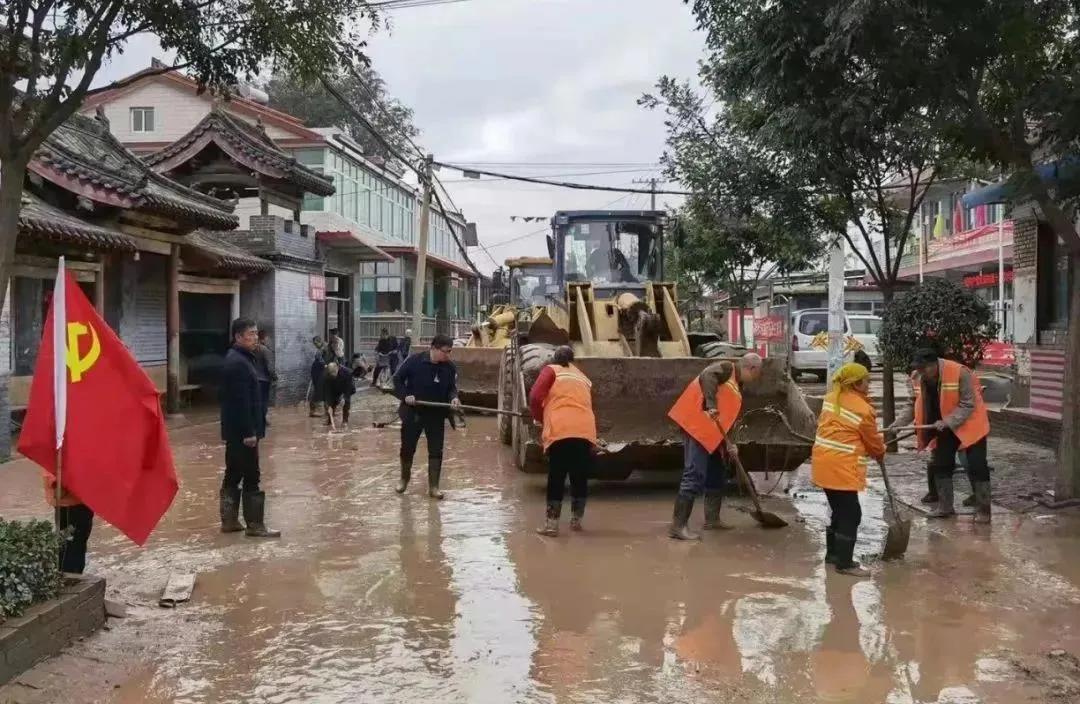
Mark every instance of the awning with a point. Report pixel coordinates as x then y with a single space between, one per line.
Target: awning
352 243
1050 174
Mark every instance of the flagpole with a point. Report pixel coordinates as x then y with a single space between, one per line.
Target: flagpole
59 331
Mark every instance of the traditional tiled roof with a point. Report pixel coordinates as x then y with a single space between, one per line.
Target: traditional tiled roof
247 144
39 220
222 254
83 157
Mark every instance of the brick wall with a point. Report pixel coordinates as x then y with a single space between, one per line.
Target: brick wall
295 323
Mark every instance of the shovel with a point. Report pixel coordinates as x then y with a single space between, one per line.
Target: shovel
475 409
899 529
765 518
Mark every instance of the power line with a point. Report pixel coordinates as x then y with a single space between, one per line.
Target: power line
547 229
404 4
561 164
561 184
574 173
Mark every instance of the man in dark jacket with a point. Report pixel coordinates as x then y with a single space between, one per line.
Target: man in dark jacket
338 387
318 365
384 355
243 423
427 376
264 367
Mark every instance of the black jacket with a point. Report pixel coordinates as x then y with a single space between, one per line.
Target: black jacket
403 346
342 385
240 397
420 377
386 345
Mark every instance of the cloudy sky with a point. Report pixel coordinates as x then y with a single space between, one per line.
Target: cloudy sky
528 82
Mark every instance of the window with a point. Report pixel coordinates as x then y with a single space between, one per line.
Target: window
142 119
865 326
380 287
813 323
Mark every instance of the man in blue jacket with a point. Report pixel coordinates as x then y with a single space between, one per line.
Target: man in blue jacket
427 376
243 424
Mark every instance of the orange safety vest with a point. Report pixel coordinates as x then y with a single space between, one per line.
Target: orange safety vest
841 454
568 409
66 497
689 412
975 428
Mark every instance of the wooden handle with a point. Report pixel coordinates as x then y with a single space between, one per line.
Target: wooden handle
462 407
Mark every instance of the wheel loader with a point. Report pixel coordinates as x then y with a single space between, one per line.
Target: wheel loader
524 288
617 312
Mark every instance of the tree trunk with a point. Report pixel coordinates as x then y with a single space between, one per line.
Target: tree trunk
12 173
888 392
1068 478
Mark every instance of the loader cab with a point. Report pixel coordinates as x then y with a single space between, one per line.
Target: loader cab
612 249
529 283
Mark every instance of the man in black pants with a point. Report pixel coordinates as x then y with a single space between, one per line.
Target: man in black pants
243 423
427 376
338 388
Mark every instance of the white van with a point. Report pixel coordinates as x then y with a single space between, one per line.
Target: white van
810 340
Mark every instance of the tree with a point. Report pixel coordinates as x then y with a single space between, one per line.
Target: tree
861 143
940 315
746 218
51 52
1006 90
366 92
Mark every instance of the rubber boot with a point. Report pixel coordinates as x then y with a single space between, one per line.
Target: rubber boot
830 546
713 501
551 520
313 409
945 508
969 501
684 506
434 473
577 512
229 503
845 554
982 502
254 516
406 474
931 495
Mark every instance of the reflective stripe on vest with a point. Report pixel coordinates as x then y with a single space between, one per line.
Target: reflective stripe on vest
975 428
689 412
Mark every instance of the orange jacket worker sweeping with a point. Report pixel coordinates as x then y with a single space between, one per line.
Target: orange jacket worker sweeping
847 438
561 399
706 412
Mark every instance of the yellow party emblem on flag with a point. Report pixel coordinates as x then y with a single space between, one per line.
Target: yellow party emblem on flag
78 364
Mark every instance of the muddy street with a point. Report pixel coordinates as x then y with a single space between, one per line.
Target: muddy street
374 597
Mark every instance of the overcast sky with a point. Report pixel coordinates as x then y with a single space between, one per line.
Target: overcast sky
529 81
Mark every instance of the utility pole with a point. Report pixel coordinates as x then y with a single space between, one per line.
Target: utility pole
419 283
651 183
836 307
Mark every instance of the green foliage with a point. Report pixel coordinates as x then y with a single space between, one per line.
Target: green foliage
28 565
366 92
941 315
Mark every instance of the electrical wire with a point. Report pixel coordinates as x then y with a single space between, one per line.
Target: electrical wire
563 184
405 4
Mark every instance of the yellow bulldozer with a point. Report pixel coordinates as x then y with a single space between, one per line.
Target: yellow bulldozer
520 291
609 301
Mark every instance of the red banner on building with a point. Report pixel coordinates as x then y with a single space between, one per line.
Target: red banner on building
998 354
986 280
317 287
769 329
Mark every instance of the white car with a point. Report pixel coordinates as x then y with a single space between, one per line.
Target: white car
810 340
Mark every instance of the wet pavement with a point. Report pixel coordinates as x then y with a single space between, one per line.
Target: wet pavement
372 597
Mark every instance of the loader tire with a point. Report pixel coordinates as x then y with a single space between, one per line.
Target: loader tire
534 357
506 396
710 350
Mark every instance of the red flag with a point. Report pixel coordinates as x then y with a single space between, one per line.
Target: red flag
116 455
958 218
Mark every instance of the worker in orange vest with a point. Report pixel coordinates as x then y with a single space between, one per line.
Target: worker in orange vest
74 514
561 401
949 397
706 412
847 438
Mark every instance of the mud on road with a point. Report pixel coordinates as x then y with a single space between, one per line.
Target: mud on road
372 597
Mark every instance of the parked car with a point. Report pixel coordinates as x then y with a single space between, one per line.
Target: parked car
810 340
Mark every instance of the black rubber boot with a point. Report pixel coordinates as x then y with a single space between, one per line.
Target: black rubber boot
713 501
434 473
969 501
551 520
982 502
255 516
845 557
229 504
684 506
830 547
313 410
931 495
945 507
577 512
406 474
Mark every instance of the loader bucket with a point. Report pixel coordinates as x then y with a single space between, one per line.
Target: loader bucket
478 374
631 399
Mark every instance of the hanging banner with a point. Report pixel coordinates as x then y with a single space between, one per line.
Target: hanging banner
769 328
317 287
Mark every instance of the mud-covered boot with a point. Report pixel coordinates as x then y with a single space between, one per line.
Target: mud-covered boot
229 504
845 557
406 474
982 502
713 502
434 473
945 508
830 546
969 501
255 516
551 520
577 512
931 495
684 506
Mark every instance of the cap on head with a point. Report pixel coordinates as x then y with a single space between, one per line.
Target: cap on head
563 355
924 358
